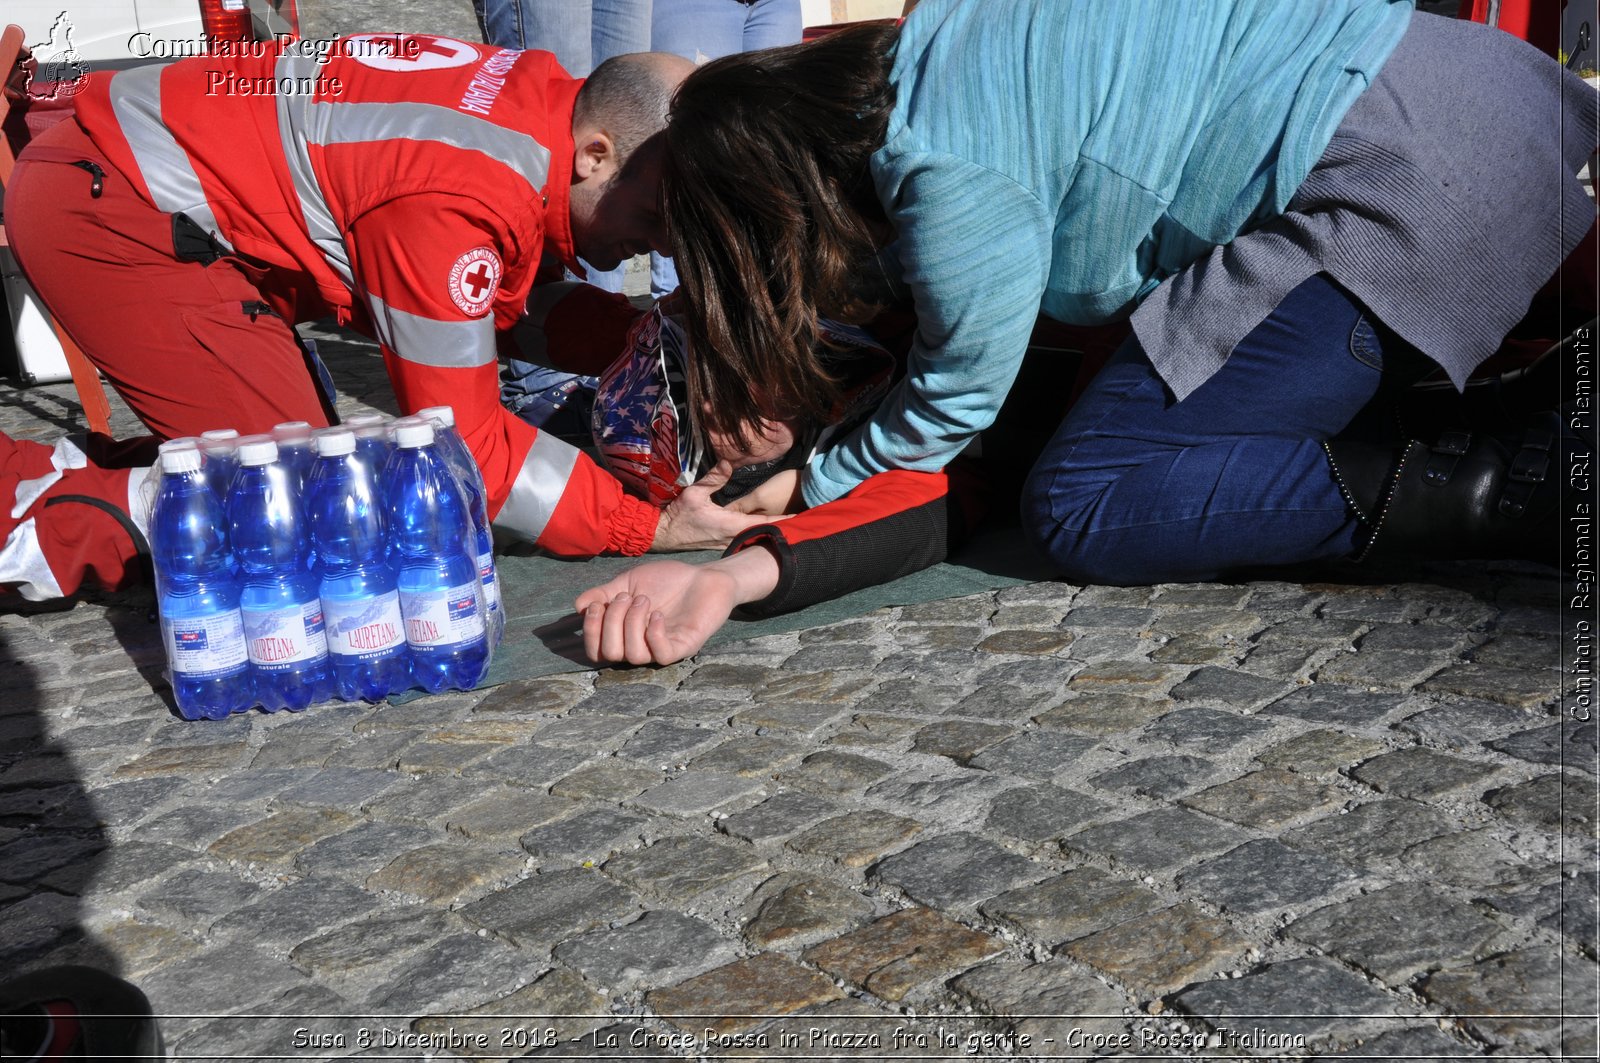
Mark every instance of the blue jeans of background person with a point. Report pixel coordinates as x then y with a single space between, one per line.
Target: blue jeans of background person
711 29
1137 488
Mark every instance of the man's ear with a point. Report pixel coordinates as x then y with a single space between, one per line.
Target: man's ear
593 154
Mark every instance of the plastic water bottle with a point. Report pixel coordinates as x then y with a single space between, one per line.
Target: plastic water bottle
198 592
466 469
440 593
372 439
219 447
294 449
283 624
360 601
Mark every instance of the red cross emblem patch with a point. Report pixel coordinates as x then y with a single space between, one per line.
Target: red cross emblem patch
474 279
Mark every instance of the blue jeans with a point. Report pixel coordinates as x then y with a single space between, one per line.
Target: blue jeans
711 29
1138 488
582 33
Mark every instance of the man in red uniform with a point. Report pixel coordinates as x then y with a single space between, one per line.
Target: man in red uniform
406 185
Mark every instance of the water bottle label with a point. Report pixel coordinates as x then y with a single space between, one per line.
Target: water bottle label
368 629
205 647
280 639
491 586
441 620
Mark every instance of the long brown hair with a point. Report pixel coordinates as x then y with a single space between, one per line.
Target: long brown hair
770 205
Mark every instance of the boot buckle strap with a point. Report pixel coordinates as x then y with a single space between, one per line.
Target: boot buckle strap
1443 457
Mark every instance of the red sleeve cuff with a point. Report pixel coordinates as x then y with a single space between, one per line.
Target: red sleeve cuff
633 527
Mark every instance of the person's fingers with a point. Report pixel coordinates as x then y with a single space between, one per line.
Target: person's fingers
712 481
594 615
662 648
633 630
613 642
603 593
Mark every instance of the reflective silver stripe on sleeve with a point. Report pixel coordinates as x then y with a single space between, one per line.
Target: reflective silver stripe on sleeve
330 122
538 487
168 173
292 129
427 341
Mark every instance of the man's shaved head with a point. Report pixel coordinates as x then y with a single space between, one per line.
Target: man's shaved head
627 98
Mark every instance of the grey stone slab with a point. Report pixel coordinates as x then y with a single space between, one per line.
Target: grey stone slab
777 817
913 697
591 732
957 870
659 948
1048 1007
609 779
1462 724
504 812
545 909
1038 755
1313 998
1414 1042
459 972
800 718
1265 875
636 700
283 918
1269 799
217 981
1003 702
531 765
196 826
258 786
1561 801
838 656
592 834
1375 605
663 743
1160 777
1533 1000
196 898
794 909
1373 835
1319 752
1482 859
1228 686
1072 905
123 867
949 796
857 838
1421 773
1118 617
756 756
1043 812
426 802
1329 704
356 948
1157 841
1437 640
35 923
33 801
342 788
681 867
1521 687
35 854
959 740
1391 670
379 752
695 794
1397 932
835 773
360 851
1213 730
1568 743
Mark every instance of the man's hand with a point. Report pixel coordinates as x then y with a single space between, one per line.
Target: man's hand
663 611
694 522
777 495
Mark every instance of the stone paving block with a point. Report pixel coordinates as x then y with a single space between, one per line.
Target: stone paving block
740 677
1042 812
756 756
1481 860
741 995
657 949
1421 773
1378 669
257 787
637 700
1195 650
1133 676
1060 1007
592 834
528 699
855 839
957 870
542 910
117 868
34 923
1398 931
798 909
1099 713
606 780
1156 841
37 800
1038 755
1227 686
190 826
893 955
1031 643
955 796
799 718
959 740
356 948
1499 997
378 751
531 765
196 898
1071 906
282 919
1214 730
1373 604
1160 777
1373 835
35 854
1269 799
1319 752
1311 631
1569 743
662 744
281 836
834 773
1313 998
504 812
341 788
778 816
695 794
455 973
557 1000
1002 702
359 851
1415 1042
1463 725
184 760
254 1037
217 981
1115 617
834 657
1519 651
1519 687
592 732
1435 640
1265 875
1558 802
1159 952
1186 596
430 757
899 698
444 874
681 867
1332 705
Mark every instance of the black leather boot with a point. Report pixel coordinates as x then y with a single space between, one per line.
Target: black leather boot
1470 494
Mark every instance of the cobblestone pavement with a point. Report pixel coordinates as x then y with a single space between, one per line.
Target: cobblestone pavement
1256 819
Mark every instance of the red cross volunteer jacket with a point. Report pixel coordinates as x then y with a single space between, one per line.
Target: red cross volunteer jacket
406 185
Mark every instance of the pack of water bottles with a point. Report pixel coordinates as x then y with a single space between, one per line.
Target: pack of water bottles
352 562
